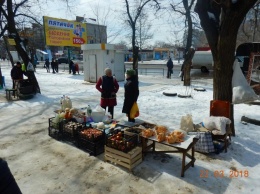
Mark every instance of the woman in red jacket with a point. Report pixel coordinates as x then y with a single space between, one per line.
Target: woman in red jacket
108 87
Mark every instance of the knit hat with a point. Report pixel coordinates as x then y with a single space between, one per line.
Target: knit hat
130 72
108 70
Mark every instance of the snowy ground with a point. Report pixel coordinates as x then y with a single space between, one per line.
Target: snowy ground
42 165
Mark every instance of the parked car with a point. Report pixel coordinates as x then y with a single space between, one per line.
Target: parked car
202 60
63 60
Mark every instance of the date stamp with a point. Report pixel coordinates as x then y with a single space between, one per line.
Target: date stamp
224 174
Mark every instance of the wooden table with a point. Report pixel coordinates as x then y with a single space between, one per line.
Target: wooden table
183 147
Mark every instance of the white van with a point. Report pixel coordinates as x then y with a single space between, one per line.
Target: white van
202 60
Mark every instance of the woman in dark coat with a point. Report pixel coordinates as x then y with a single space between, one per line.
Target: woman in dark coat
108 87
131 93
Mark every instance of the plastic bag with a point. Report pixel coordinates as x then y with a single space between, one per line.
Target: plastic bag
134 112
242 92
187 123
30 67
65 103
205 143
218 123
99 109
107 118
180 74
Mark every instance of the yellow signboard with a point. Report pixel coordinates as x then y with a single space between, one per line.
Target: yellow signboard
11 41
60 32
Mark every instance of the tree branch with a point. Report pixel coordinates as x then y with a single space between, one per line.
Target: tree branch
19 5
128 13
3 12
21 14
3 30
176 10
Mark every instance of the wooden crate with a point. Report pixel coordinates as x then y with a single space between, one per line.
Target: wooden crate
128 160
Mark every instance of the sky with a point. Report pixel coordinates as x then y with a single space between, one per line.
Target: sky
43 165
163 28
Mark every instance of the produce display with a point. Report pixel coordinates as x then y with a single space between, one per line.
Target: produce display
70 127
148 133
91 134
176 136
121 141
161 129
71 113
161 132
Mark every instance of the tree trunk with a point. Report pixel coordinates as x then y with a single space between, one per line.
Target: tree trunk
135 52
187 66
188 53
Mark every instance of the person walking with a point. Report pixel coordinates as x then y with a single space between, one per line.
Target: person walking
131 93
170 67
108 86
77 68
71 64
47 65
56 66
53 65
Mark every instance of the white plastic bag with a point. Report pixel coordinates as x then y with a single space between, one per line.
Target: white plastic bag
30 67
180 74
98 114
107 118
242 92
217 123
99 109
187 123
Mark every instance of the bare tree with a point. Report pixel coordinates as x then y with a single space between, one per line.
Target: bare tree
143 30
221 20
10 11
133 15
186 11
106 17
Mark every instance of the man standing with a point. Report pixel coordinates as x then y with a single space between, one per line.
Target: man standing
170 67
17 73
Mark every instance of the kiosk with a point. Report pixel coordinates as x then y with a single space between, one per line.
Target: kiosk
97 57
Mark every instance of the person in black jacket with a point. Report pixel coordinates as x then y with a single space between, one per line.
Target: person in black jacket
47 65
131 93
53 65
17 73
170 67
7 180
71 64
